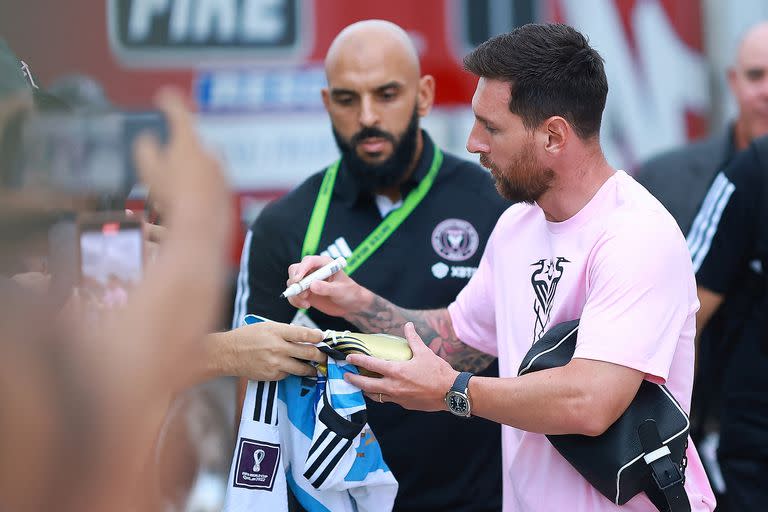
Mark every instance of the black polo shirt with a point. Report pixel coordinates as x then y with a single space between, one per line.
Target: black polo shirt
442 463
728 246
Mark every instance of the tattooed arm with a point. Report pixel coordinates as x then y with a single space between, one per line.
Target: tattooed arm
340 295
434 326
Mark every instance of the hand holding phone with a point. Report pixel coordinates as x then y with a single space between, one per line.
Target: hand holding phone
81 154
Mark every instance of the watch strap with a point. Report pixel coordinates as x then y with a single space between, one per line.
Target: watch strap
461 384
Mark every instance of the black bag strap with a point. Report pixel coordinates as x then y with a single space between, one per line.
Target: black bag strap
667 492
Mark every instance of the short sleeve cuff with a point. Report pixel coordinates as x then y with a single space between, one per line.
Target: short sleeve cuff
468 335
653 372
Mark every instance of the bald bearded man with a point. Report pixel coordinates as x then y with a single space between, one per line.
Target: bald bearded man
390 170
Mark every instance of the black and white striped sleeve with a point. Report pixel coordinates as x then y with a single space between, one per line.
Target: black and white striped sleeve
332 440
723 234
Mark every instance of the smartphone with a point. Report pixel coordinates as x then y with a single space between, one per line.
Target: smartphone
111 257
84 153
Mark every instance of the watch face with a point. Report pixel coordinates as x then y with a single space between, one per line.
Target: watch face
458 404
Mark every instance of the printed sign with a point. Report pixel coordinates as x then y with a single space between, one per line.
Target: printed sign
169 32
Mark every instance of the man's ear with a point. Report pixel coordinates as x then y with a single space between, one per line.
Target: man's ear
426 95
557 131
326 95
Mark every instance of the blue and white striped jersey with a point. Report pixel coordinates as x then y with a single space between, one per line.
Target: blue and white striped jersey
311 435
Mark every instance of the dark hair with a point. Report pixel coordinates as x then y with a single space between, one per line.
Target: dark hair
552 71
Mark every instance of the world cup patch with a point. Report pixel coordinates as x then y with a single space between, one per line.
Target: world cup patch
257 464
455 240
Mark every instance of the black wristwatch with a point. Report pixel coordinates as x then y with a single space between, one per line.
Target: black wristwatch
457 398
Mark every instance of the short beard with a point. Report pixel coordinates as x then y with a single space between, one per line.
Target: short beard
390 172
523 180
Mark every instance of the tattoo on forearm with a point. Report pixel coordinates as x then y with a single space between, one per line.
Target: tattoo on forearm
434 327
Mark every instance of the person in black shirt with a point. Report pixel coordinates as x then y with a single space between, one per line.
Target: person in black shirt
679 179
728 242
390 172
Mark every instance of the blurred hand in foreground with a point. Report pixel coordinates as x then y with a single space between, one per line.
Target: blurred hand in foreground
117 378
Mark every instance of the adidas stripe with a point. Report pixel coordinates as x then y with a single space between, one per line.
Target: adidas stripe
705 224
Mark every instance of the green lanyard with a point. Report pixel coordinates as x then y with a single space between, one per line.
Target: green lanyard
379 235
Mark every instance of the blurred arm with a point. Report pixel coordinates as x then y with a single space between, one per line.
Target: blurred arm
265 351
710 302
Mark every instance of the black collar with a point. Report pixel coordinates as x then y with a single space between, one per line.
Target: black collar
347 190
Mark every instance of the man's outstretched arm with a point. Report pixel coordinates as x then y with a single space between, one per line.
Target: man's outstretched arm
583 397
434 325
341 296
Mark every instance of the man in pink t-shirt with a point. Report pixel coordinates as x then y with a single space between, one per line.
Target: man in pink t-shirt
585 241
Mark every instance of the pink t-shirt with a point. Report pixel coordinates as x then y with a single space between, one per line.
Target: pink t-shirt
620 264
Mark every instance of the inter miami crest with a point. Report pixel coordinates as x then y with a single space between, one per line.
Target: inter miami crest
455 240
544 280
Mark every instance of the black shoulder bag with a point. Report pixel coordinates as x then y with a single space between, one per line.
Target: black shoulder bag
643 451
